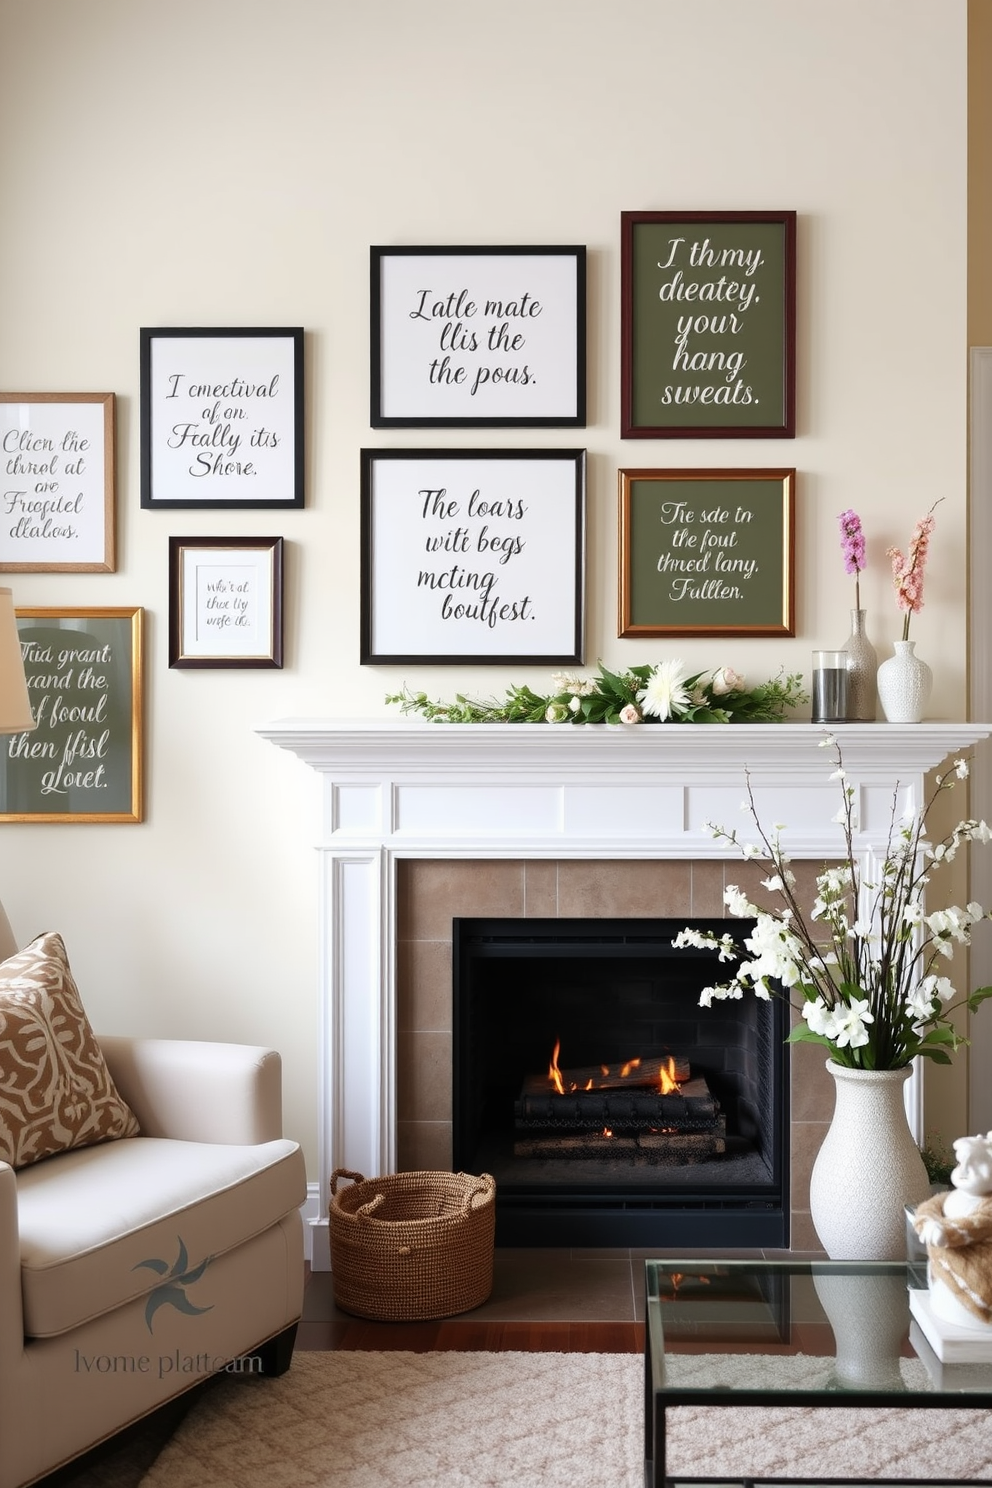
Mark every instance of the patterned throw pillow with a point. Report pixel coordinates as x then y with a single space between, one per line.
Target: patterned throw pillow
55 1088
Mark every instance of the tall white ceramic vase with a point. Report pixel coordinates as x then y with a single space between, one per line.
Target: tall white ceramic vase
904 682
868 1168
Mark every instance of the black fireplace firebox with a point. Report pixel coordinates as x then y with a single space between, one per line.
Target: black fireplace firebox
608 1105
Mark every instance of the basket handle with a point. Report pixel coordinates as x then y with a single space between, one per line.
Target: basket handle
344 1173
481 1190
373 1204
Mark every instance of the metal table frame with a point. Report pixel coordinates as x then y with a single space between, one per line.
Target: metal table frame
773 1276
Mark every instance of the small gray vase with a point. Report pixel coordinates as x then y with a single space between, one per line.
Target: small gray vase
862 668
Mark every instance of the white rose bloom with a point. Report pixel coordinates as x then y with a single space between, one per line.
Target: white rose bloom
725 680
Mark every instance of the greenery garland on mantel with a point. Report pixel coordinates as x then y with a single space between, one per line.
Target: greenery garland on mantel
644 694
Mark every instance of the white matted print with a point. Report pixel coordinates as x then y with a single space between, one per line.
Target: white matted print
478 337
473 555
57 497
225 602
221 418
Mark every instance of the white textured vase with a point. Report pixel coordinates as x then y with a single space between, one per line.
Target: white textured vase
867 1170
904 683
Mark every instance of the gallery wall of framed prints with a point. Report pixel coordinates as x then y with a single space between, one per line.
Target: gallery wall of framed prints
470 555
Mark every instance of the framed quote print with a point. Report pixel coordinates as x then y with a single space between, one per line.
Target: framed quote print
225 601
708 325
707 553
82 762
58 483
222 418
478 337
472 555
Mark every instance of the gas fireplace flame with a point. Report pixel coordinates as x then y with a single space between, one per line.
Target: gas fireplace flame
554 1073
666 1079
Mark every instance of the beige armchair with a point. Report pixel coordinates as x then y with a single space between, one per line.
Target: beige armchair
132 1269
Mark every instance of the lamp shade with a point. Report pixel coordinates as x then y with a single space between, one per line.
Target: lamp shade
15 706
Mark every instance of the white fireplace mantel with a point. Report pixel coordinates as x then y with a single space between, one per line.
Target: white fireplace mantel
402 788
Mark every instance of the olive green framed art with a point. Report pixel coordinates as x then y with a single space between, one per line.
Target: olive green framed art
707 553
708 317
82 761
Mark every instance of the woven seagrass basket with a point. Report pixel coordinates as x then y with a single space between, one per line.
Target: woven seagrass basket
412 1246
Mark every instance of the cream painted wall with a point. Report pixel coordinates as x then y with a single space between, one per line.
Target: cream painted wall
229 162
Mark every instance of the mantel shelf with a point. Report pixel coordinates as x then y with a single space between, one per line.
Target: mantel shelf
362 748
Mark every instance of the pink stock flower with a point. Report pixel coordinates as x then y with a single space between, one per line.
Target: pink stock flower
907 572
852 543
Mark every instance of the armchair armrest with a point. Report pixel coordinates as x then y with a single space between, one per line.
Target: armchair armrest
11 1315
198 1092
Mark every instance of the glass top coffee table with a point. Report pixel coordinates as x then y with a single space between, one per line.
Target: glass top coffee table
781 1333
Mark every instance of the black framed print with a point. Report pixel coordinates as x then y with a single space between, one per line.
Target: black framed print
708 325
222 418
225 601
478 337
472 555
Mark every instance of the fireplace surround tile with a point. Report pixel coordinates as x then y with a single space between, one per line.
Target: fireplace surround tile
423 1146
423 1075
540 889
438 889
631 888
706 886
424 972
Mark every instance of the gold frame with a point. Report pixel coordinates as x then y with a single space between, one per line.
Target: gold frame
109 564
781 588
131 618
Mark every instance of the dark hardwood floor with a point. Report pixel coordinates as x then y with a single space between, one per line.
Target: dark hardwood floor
558 1301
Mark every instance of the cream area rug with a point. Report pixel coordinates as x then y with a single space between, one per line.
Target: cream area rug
523 1420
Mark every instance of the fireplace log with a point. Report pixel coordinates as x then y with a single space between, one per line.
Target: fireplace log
589 1144
693 1107
656 1147
640 1073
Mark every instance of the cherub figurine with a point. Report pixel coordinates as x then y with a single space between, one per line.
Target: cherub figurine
956 1228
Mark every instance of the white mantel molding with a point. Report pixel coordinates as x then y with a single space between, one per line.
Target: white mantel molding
501 789
406 788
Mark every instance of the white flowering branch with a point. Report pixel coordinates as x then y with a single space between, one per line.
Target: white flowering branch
869 985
